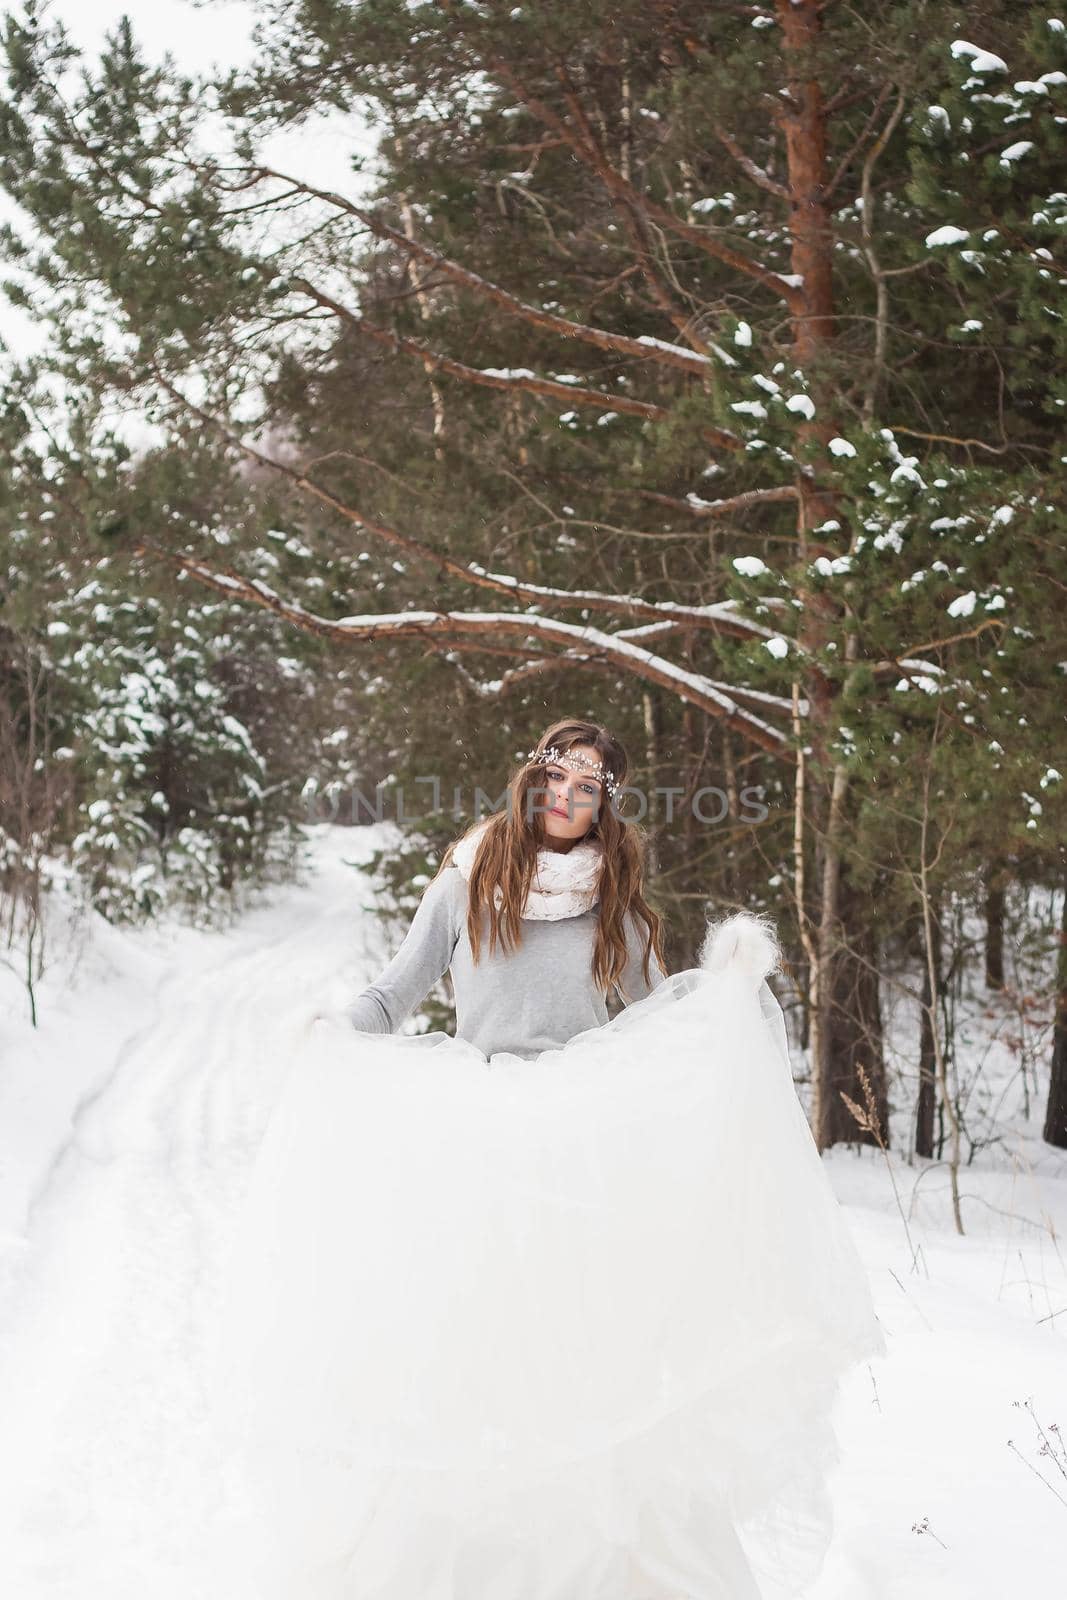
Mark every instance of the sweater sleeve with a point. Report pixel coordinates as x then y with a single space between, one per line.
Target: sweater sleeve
423 957
632 977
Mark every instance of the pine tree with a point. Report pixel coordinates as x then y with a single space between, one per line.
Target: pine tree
615 373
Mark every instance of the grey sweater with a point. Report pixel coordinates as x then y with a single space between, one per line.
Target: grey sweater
533 998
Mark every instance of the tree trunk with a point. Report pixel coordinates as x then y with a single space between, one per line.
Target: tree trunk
1055 1130
994 930
926 1106
650 717
844 1024
854 1026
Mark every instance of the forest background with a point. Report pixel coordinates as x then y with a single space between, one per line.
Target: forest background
696 368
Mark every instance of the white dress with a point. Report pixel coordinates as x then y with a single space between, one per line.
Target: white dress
560 1328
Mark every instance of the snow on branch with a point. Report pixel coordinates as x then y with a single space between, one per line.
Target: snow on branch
539 666
722 617
567 660
459 627
908 664
700 507
622 344
515 378
750 167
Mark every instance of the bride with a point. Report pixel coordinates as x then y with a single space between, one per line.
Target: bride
554 1308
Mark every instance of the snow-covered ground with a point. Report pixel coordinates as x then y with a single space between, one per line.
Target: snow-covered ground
128 1124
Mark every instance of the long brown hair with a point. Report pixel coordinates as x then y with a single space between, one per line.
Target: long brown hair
507 857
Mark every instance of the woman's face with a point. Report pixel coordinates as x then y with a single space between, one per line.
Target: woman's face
571 795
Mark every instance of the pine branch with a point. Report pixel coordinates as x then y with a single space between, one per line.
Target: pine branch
641 348
682 321
569 659
513 677
860 139
588 150
957 638
721 617
518 379
458 627
638 232
749 167
695 506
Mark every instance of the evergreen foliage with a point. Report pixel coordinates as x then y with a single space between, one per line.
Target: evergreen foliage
556 338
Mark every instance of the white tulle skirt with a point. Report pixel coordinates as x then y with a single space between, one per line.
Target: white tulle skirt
561 1328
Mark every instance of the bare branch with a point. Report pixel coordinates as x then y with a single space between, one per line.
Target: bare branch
694 506
513 677
957 638
516 379
590 153
636 223
879 144
977 444
740 502
881 293
640 348
748 166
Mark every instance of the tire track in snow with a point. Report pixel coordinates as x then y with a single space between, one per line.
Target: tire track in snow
101 1382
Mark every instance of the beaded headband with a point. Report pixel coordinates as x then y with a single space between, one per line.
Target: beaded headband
576 763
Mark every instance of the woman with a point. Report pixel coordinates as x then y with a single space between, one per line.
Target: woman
553 1308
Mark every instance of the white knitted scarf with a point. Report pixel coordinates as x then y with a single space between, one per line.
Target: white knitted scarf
564 884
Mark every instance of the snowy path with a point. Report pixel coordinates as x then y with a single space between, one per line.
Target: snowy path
105 1315
110 1264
